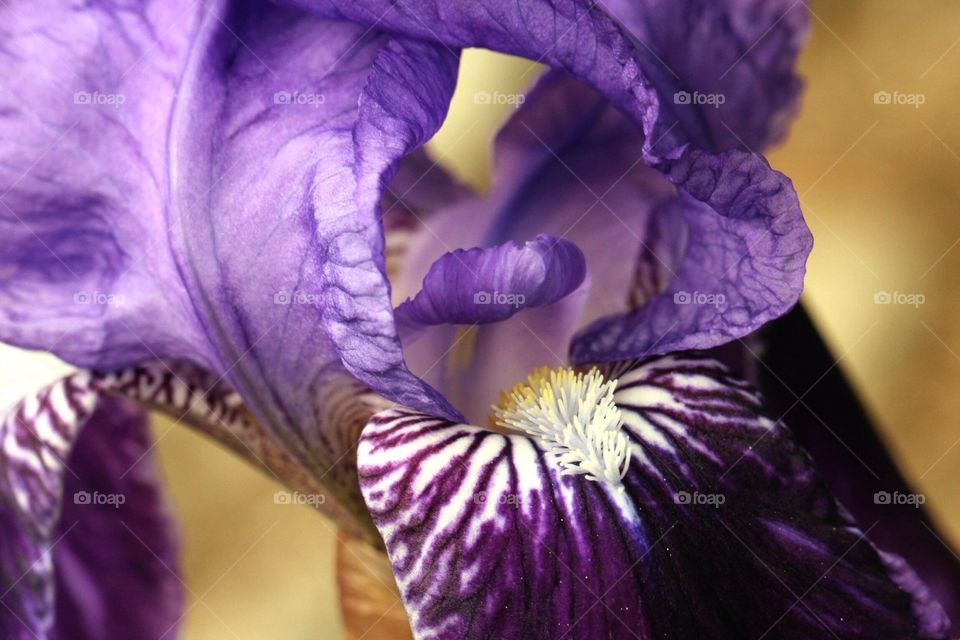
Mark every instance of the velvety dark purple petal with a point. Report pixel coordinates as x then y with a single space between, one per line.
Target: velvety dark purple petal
115 567
201 181
480 286
719 529
801 380
725 69
743 261
86 550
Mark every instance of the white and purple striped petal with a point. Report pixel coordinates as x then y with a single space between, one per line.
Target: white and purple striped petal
719 529
86 548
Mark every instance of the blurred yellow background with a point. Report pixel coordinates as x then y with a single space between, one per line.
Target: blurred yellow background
880 186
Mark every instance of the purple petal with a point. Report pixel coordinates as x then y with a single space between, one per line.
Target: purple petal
720 528
84 266
86 549
577 36
743 262
725 69
212 196
480 286
801 381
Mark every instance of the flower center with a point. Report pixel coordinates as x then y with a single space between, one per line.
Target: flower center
575 416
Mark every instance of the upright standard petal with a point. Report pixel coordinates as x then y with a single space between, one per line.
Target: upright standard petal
86 550
200 181
717 74
690 254
743 262
718 528
725 69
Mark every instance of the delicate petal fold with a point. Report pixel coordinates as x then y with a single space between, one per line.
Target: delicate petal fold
86 550
663 63
201 181
743 260
720 529
690 254
578 36
725 69
480 286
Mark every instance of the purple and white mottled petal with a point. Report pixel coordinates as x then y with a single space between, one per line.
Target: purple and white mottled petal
76 501
720 528
482 286
744 258
725 69
195 397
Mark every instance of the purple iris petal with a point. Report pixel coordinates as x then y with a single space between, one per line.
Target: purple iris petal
638 54
720 528
577 36
201 181
725 69
670 267
480 286
743 262
801 381
86 550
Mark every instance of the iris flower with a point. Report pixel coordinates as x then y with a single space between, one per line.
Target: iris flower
218 210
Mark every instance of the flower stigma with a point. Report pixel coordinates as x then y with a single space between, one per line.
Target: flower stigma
574 415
